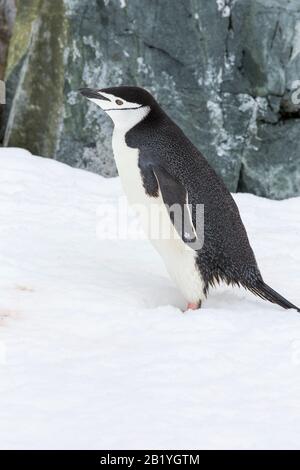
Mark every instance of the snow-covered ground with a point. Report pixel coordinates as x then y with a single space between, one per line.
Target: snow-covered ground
94 349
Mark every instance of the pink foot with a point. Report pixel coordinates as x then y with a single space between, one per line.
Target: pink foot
192 306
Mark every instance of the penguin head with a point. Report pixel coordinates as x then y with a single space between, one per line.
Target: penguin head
125 105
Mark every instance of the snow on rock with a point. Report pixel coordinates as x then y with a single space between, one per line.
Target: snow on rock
94 349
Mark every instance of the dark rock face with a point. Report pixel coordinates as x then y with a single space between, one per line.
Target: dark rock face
7 18
37 77
226 71
267 55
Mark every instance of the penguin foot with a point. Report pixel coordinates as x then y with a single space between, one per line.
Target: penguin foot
193 306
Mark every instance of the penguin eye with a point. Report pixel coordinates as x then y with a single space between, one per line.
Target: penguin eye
119 102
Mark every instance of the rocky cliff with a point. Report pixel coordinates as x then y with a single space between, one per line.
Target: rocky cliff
7 17
227 71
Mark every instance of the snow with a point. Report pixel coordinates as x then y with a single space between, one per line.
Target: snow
95 352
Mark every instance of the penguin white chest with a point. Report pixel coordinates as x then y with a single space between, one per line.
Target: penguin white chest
127 163
179 259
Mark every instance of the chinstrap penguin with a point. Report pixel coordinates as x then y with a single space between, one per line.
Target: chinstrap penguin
159 166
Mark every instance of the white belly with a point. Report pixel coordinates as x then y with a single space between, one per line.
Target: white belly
178 257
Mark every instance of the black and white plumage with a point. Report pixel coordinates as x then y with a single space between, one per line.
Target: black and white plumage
159 165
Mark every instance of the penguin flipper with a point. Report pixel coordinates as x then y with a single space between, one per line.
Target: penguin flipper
175 198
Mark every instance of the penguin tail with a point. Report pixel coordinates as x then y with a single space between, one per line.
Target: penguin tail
267 293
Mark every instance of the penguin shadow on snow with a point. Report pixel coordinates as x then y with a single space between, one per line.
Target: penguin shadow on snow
153 288
149 288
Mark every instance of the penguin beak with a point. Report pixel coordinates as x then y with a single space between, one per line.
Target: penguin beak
92 94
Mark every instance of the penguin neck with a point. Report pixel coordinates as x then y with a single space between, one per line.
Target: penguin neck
126 120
